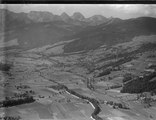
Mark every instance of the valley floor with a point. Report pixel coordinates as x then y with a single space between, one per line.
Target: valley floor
41 77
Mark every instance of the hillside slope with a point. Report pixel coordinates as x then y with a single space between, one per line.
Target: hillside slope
111 33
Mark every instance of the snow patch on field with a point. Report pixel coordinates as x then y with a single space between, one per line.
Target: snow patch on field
116 118
9 43
55 50
39 49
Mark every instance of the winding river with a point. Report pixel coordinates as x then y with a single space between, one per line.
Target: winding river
93 102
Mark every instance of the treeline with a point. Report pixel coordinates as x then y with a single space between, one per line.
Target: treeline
115 86
97 109
117 105
92 100
140 84
96 117
120 55
57 87
10 118
113 66
104 72
128 77
14 102
118 62
152 67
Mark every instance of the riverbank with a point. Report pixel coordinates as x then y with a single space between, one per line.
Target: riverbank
93 102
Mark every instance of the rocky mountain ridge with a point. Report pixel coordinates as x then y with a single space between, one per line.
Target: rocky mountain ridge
37 29
43 16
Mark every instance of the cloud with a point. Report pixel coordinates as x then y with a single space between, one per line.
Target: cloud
136 9
2 6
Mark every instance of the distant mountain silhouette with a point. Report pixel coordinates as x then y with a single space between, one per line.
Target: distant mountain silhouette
36 29
78 16
44 16
97 19
65 17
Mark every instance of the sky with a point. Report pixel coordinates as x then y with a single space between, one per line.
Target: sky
123 11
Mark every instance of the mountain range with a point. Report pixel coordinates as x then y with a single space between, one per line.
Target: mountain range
43 16
36 29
